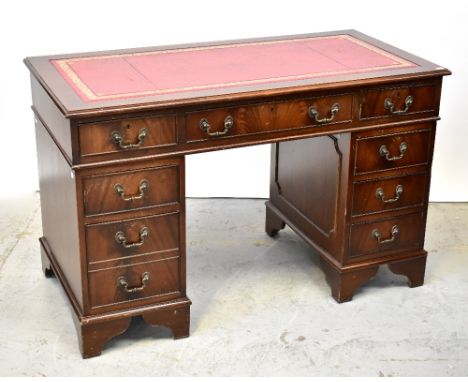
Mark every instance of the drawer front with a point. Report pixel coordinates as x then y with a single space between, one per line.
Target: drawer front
127 135
398 101
133 283
380 237
130 190
132 240
392 151
267 117
388 194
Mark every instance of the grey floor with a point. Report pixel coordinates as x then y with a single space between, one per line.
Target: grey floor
261 306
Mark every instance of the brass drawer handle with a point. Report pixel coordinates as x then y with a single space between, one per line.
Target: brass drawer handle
123 283
314 114
206 127
377 236
388 104
383 151
121 239
381 194
121 192
118 139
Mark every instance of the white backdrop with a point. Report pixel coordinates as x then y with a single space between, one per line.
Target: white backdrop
434 30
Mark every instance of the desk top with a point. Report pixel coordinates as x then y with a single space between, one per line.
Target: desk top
93 83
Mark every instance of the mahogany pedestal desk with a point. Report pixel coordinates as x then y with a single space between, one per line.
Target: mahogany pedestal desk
351 121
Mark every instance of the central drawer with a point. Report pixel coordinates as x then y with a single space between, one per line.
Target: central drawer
268 117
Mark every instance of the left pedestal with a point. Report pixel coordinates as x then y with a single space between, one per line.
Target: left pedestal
114 236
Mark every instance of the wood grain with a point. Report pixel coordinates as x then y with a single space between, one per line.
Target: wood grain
100 194
96 138
373 101
368 158
308 184
59 210
363 242
272 116
102 246
365 200
414 269
345 283
163 283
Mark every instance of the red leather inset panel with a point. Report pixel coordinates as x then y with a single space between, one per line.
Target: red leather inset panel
190 69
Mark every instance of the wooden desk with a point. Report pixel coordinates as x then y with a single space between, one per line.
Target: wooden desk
351 121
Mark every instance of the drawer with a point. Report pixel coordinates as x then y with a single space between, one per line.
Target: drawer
132 240
159 279
379 237
127 135
398 101
268 117
130 190
389 193
392 151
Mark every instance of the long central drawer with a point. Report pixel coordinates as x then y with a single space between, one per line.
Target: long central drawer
266 117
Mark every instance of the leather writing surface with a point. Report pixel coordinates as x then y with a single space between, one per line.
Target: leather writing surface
132 75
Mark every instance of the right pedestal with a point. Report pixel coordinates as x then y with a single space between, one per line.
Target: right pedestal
360 199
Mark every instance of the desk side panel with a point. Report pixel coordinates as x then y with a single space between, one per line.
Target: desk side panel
59 212
308 186
52 117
